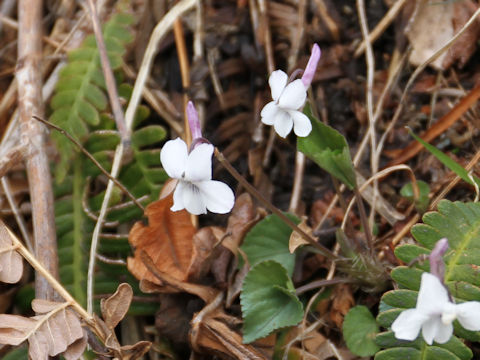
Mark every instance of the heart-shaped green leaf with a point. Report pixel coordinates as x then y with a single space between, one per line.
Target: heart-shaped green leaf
359 330
268 240
268 301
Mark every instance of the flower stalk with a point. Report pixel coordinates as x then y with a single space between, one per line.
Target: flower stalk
226 164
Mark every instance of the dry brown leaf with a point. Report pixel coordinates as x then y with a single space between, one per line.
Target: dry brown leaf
236 284
11 263
327 350
204 242
296 239
136 351
116 306
434 25
167 240
342 302
49 334
241 220
169 282
76 349
117 351
212 335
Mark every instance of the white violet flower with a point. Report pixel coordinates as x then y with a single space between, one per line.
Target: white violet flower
195 191
435 313
284 112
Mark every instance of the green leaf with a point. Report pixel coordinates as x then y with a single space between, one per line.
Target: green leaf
424 189
445 160
148 135
20 353
328 149
268 240
359 330
399 353
268 301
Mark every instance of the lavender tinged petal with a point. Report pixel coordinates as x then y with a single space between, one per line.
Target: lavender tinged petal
437 265
311 66
193 121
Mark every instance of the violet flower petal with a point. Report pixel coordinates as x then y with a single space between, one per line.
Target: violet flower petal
311 66
193 121
437 265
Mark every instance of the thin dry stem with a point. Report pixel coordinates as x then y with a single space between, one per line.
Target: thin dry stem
92 159
300 161
184 72
369 97
298 35
117 161
14 25
17 214
267 40
300 158
378 175
108 74
381 26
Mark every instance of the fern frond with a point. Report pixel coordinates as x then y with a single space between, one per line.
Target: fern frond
460 224
80 91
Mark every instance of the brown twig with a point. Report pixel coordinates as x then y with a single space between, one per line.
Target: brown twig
322 249
184 72
29 70
92 159
321 283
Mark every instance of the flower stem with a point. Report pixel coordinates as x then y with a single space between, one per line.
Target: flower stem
312 241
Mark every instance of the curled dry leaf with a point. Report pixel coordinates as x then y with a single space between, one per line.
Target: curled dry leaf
167 240
56 330
11 263
116 306
296 239
113 347
212 334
